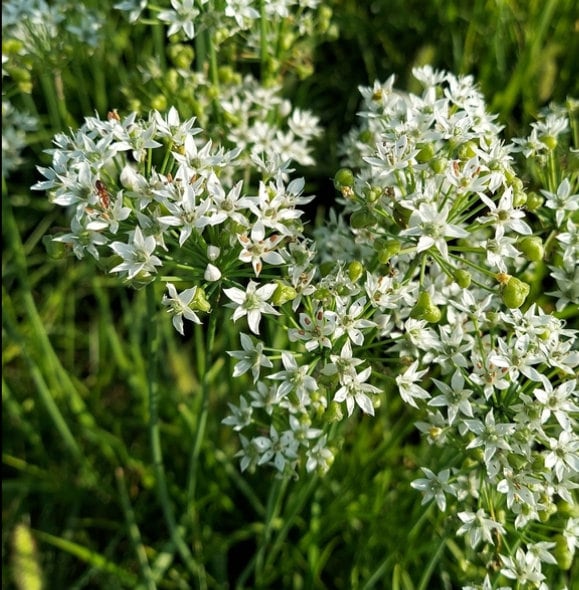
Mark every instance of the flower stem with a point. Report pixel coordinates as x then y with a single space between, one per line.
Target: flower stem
155 438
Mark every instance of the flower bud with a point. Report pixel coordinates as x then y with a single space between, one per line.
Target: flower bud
212 273
531 247
462 278
355 270
514 293
424 309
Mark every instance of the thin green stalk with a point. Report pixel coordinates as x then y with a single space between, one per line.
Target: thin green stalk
134 532
155 438
274 503
204 409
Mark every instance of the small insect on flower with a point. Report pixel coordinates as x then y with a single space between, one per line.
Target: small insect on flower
103 194
113 115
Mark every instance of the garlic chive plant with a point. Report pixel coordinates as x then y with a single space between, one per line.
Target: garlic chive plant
429 276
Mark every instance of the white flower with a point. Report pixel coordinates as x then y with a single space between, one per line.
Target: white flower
435 486
408 387
354 391
179 306
478 527
137 255
251 302
251 357
504 215
563 202
432 227
182 16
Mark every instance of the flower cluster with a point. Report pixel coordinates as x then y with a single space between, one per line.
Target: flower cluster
429 278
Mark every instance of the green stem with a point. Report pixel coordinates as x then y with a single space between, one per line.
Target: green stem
274 503
155 437
134 532
204 409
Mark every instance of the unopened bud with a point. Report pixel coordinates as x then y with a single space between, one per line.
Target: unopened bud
355 270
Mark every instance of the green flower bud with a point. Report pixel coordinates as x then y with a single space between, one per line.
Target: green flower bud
355 270
562 553
389 248
199 301
514 293
534 201
361 219
424 309
462 278
531 247
283 293
344 177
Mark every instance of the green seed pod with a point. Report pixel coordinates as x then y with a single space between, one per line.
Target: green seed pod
550 141
438 165
159 102
355 270
181 55
283 293
401 215
424 309
532 248
467 150
361 219
366 136
334 413
534 201
199 301
463 278
426 153
372 194
389 248
519 194
344 177
514 293
326 267
562 553
55 250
